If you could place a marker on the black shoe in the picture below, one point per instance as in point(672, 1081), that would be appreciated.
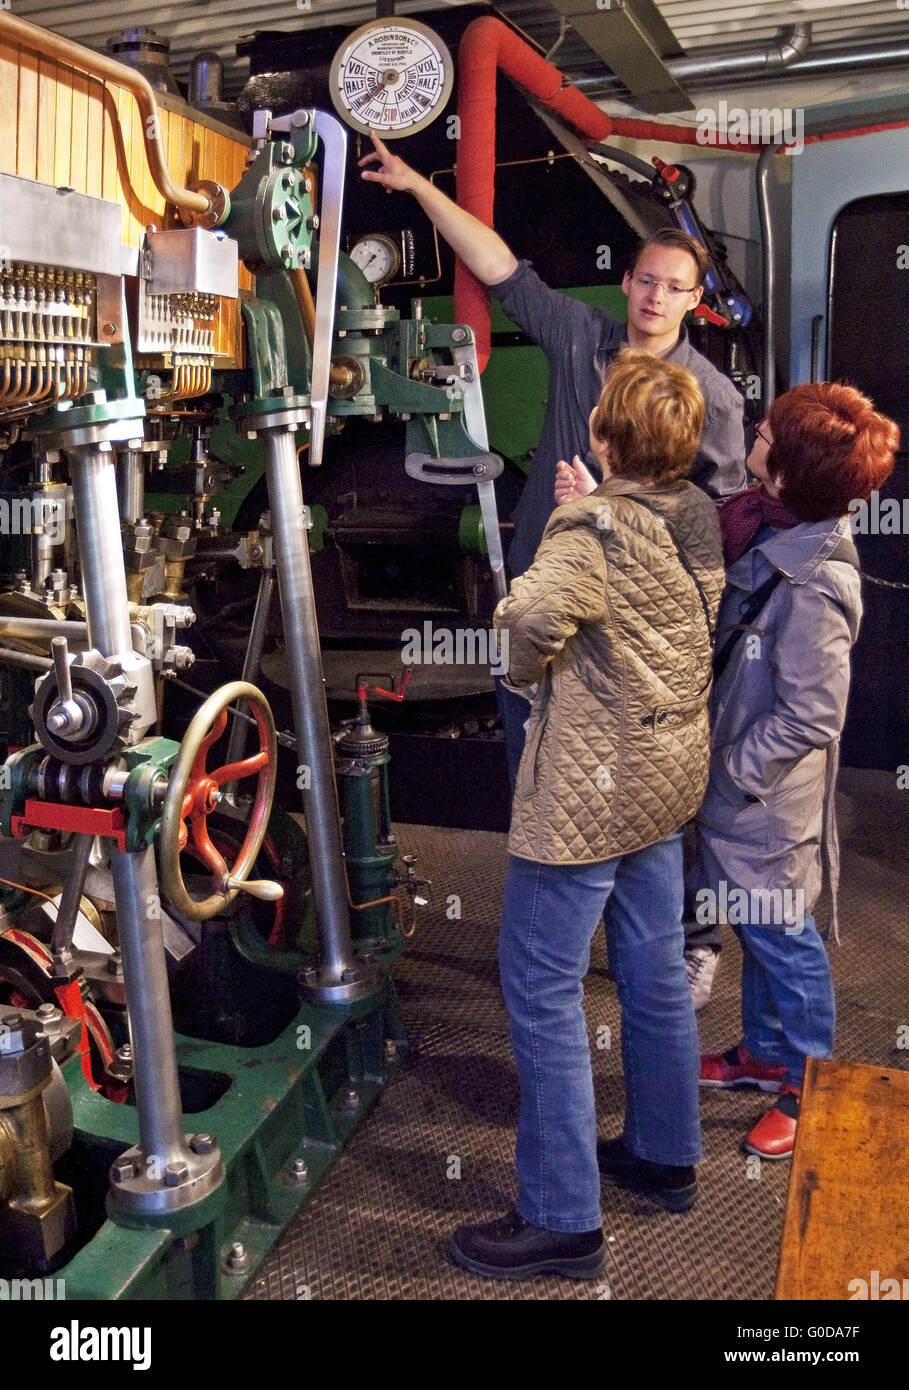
point(674, 1188)
point(511, 1248)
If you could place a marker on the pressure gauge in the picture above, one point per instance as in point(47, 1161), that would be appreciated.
point(378, 257)
point(393, 76)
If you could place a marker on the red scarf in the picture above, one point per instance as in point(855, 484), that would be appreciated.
point(743, 515)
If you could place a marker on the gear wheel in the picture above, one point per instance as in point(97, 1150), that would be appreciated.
point(105, 696)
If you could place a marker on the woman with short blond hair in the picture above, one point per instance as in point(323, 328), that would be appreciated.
point(612, 626)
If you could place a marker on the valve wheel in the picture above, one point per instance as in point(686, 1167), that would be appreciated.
point(193, 792)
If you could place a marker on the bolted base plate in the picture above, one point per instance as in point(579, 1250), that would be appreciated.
point(143, 1185)
point(357, 982)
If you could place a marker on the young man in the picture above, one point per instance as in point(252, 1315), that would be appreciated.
point(664, 282)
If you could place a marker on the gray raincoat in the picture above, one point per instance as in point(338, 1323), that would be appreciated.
point(776, 715)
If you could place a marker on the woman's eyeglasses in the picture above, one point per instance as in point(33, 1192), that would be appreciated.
point(761, 435)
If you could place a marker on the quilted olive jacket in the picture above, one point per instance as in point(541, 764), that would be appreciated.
point(612, 629)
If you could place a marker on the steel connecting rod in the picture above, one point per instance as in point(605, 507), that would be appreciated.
point(164, 1172)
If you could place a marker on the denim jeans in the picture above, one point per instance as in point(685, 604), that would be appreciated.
point(788, 1008)
point(550, 915)
point(514, 712)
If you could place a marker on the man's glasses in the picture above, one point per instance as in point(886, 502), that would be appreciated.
point(647, 282)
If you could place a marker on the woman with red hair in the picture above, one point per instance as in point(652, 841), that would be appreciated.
point(789, 617)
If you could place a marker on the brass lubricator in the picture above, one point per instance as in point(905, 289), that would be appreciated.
point(48, 333)
point(37, 1215)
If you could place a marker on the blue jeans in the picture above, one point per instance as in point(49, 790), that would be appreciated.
point(788, 1008)
point(549, 917)
point(514, 711)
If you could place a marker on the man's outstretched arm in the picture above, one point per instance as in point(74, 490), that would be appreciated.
point(480, 248)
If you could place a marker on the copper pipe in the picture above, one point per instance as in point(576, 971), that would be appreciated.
point(339, 376)
point(73, 55)
point(305, 302)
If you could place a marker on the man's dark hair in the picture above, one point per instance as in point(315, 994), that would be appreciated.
point(679, 241)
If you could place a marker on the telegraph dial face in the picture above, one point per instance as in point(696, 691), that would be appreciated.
point(392, 76)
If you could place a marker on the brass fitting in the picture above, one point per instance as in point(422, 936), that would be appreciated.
point(37, 1216)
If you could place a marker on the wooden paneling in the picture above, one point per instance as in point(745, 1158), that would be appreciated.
point(847, 1213)
point(66, 128)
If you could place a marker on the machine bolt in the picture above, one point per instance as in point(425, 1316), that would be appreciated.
point(122, 1170)
point(114, 964)
point(349, 977)
point(391, 1050)
point(286, 154)
point(125, 1053)
point(175, 1173)
point(109, 329)
point(12, 1038)
point(313, 222)
point(278, 215)
point(352, 1099)
point(238, 1259)
point(202, 1143)
point(300, 1170)
point(458, 335)
point(309, 977)
point(48, 1012)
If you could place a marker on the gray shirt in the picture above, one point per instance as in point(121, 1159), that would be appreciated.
point(580, 342)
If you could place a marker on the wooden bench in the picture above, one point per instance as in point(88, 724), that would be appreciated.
point(846, 1233)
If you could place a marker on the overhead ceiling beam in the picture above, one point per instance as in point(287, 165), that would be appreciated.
point(632, 37)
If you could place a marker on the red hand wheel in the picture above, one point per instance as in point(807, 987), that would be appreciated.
point(193, 792)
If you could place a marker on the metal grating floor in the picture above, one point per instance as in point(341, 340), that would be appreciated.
point(377, 1228)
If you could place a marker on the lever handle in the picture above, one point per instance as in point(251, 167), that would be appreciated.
point(60, 654)
point(262, 888)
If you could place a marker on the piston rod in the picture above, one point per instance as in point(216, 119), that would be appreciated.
point(301, 634)
point(148, 1006)
point(94, 483)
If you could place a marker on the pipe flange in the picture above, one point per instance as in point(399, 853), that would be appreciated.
point(358, 980)
point(272, 413)
point(218, 206)
point(103, 694)
point(365, 320)
point(146, 1186)
point(348, 377)
point(91, 421)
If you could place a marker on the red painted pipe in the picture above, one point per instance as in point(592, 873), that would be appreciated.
point(487, 47)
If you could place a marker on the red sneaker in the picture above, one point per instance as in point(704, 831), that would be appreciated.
point(774, 1134)
point(738, 1068)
